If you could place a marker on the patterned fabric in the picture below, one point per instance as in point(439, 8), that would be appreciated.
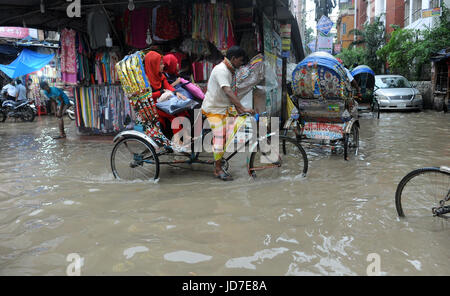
point(224, 129)
point(147, 117)
point(68, 56)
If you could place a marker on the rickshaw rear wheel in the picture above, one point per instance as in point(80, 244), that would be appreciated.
point(289, 161)
point(351, 141)
point(133, 158)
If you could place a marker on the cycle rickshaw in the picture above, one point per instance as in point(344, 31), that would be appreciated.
point(327, 112)
point(138, 153)
point(365, 77)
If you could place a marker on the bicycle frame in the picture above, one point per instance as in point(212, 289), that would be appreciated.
point(192, 156)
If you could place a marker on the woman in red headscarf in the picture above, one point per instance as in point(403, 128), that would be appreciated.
point(154, 67)
point(171, 69)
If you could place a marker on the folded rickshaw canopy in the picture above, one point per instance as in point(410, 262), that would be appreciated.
point(362, 69)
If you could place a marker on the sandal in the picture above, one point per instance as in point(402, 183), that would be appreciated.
point(59, 137)
point(224, 176)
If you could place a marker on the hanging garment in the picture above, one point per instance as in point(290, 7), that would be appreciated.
point(140, 22)
point(98, 28)
point(165, 25)
point(68, 57)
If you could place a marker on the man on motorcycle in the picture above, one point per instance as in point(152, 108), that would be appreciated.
point(21, 91)
point(63, 102)
point(9, 91)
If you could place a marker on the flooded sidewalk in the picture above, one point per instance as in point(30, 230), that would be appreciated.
point(59, 197)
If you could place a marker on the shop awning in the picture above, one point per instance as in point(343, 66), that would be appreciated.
point(27, 62)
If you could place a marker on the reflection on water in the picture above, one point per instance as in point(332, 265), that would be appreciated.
point(59, 198)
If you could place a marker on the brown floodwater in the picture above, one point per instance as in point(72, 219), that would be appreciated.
point(60, 197)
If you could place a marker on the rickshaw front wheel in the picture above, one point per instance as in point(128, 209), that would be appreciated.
point(351, 141)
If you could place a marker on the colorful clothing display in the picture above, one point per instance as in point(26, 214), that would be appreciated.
point(213, 23)
point(105, 68)
point(68, 57)
point(101, 108)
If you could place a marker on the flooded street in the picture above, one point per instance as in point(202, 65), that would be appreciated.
point(60, 197)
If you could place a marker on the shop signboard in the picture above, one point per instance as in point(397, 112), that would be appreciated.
point(286, 40)
point(431, 12)
point(18, 33)
point(324, 25)
point(325, 43)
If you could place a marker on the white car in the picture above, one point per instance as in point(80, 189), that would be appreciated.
point(394, 92)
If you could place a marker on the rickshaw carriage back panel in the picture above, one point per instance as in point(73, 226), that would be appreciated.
point(329, 111)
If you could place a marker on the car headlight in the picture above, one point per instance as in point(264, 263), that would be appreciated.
point(418, 97)
point(382, 98)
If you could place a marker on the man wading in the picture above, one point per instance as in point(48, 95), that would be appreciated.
point(218, 99)
point(63, 101)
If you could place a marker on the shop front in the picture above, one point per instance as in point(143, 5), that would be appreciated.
point(197, 32)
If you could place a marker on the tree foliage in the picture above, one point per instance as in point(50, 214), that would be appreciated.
point(373, 36)
point(409, 50)
point(352, 56)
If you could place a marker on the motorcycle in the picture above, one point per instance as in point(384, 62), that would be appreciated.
point(20, 109)
point(71, 110)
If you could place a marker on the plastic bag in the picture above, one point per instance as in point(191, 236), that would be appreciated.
point(250, 75)
point(174, 105)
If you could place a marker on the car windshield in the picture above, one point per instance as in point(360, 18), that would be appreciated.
point(392, 82)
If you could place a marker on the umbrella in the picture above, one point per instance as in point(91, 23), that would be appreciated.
point(27, 62)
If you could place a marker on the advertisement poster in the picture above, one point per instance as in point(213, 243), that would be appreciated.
point(325, 43)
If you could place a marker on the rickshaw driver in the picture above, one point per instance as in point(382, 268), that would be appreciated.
point(218, 98)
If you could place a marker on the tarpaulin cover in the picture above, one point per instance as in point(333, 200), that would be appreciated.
point(27, 62)
point(362, 69)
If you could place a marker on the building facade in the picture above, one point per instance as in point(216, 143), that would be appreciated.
point(345, 23)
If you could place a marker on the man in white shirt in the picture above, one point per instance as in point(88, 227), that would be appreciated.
point(21, 91)
point(9, 91)
point(218, 99)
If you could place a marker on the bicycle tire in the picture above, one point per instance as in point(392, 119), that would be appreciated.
point(27, 114)
point(347, 143)
point(133, 162)
point(376, 108)
point(3, 116)
point(287, 166)
point(71, 115)
point(415, 185)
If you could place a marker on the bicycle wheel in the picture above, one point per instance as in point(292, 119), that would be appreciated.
point(71, 112)
point(351, 141)
point(288, 159)
point(420, 191)
point(133, 159)
point(3, 115)
point(375, 106)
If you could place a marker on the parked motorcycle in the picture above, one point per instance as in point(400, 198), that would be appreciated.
point(71, 110)
point(21, 109)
